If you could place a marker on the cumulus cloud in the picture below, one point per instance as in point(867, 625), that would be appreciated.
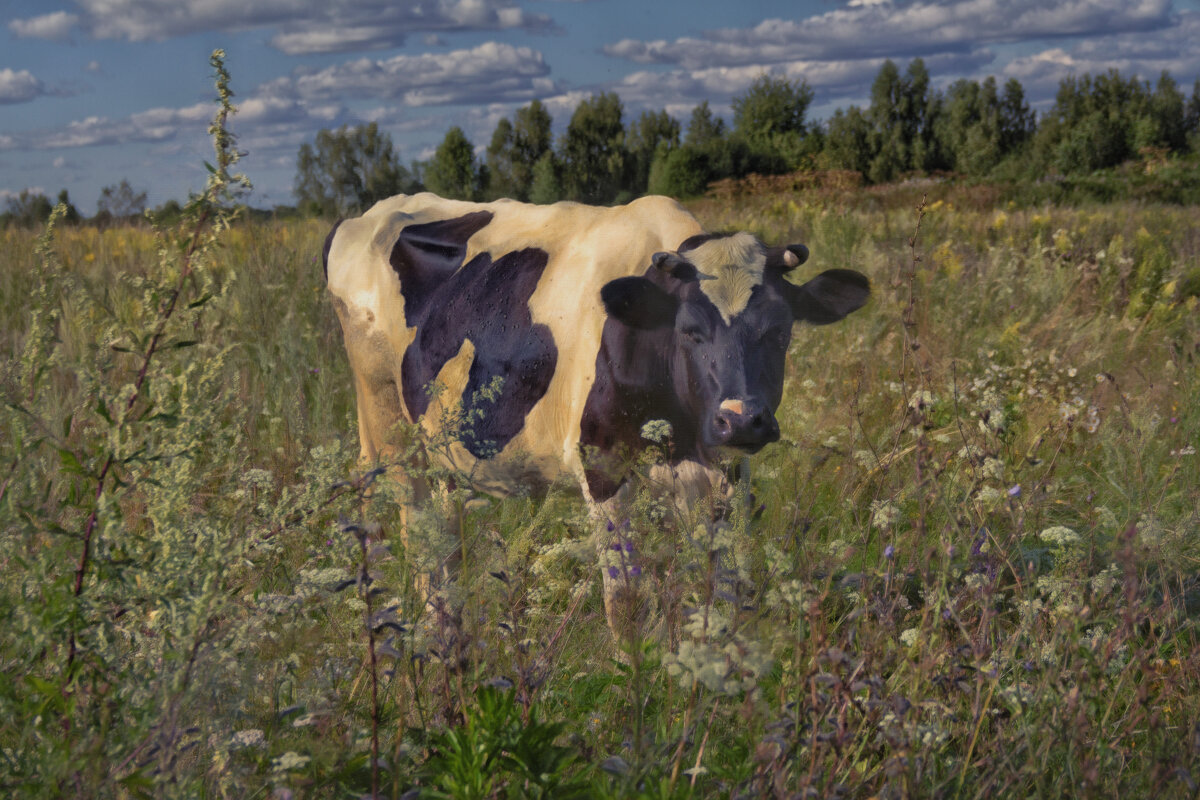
point(306, 26)
point(830, 80)
point(56, 26)
point(490, 72)
point(873, 28)
point(19, 86)
point(1146, 56)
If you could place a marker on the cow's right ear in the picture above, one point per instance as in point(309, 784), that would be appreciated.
point(639, 303)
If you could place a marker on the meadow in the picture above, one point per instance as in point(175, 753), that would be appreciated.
point(969, 569)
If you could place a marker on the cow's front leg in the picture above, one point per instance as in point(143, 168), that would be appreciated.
point(626, 605)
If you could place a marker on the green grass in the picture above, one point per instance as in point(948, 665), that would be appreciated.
point(971, 568)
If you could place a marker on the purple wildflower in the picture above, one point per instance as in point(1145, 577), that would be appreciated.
point(1015, 491)
point(889, 551)
point(635, 570)
point(613, 572)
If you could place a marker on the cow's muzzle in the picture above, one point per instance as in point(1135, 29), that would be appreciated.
point(745, 424)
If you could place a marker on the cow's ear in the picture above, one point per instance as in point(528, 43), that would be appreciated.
point(786, 257)
point(678, 267)
point(829, 297)
point(638, 303)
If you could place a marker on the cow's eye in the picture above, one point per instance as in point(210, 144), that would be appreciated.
point(776, 337)
point(695, 335)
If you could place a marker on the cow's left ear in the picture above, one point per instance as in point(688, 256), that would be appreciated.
point(829, 297)
point(638, 303)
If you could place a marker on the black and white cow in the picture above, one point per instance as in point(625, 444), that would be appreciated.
point(595, 320)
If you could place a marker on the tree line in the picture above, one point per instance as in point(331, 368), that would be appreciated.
point(975, 128)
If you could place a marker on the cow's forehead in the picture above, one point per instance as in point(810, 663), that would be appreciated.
point(735, 264)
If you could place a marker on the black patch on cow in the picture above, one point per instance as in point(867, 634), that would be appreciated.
point(486, 302)
point(427, 254)
point(325, 249)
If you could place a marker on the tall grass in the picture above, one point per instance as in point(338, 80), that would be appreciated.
point(969, 569)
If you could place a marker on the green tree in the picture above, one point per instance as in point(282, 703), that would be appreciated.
point(120, 201)
point(679, 172)
point(650, 132)
point(1166, 112)
point(593, 150)
point(903, 116)
point(969, 126)
point(848, 140)
point(27, 209)
point(348, 170)
point(1191, 116)
point(703, 128)
point(452, 172)
point(1095, 122)
point(515, 149)
point(770, 107)
point(71, 214)
point(500, 179)
point(889, 144)
point(770, 117)
point(547, 180)
point(1018, 122)
point(531, 141)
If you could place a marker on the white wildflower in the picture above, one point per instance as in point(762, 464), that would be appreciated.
point(657, 430)
point(289, 761)
point(251, 737)
point(1059, 536)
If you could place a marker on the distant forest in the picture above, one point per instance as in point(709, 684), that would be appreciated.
point(979, 130)
point(974, 129)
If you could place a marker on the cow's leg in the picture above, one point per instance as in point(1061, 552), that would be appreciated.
point(696, 493)
point(625, 605)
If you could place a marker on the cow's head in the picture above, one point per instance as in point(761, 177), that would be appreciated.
point(724, 311)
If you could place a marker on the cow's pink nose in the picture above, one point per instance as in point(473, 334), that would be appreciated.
point(744, 424)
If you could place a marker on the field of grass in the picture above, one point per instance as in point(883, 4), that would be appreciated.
point(969, 569)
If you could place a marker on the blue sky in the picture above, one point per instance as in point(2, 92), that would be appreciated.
point(93, 91)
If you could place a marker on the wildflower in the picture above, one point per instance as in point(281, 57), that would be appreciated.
point(251, 737)
point(288, 761)
point(613, 572)
point(889, 551)
point(1014, 491)
point(657, 430)
point(1059, 536)
point(910, 636)
point(884, 513)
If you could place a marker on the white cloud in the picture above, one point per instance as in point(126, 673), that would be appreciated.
point(830, 80)
point(93, 66)
point(19, 86)
point(306, 26)
point(491, 72)
point(872, 29)
point(56, 26)
point(1141, 54)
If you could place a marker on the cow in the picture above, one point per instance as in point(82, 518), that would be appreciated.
point(552, 334)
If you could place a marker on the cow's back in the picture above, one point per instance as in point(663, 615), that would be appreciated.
point(526, 305)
